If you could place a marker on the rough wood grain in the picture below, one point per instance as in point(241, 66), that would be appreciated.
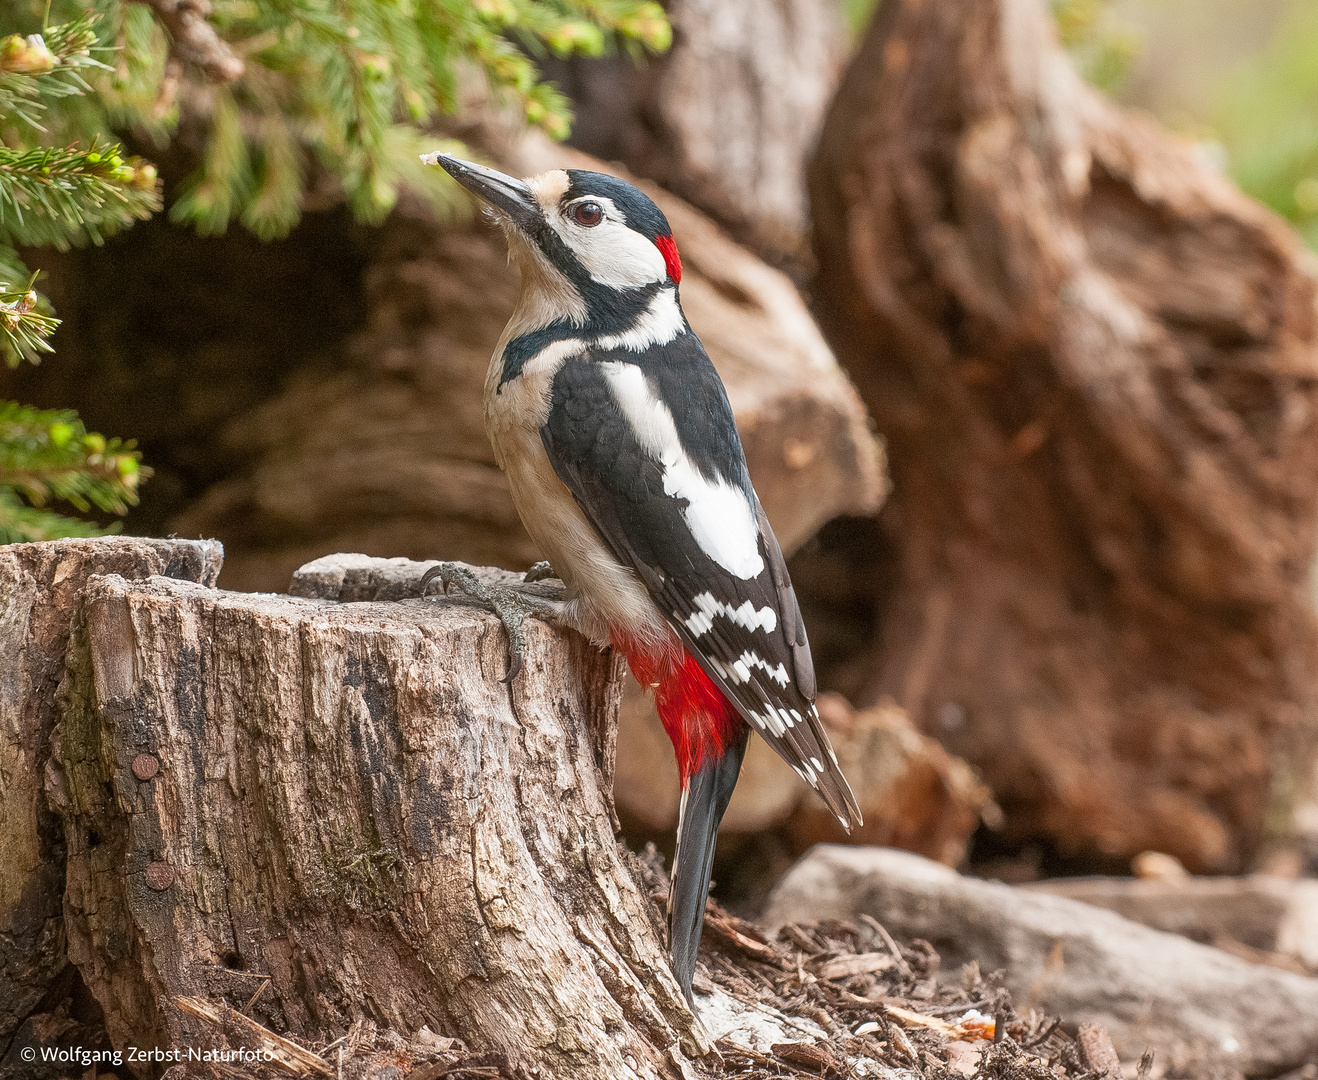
point(1273, 919)
point(1095, 363)
point(39, 589)
point(350, 802)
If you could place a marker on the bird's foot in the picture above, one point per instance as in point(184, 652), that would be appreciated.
point(510, 603)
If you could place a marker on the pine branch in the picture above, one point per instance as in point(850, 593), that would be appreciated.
point(142, 90)
point(24, 327)
point(335, 84)
point(53, 65)
point(308, 84)
point(48, 456)
point(194, 39)
point(210, 197)
point(51, 195)
point(20, 523)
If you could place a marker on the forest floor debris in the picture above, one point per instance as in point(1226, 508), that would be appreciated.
point(852, 1002)
point(1204, 1011)
point(826, 999)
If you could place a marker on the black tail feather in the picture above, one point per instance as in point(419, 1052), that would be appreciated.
point(703, 804)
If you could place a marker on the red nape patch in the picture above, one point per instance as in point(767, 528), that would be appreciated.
point(700, 721)
point(668, 246)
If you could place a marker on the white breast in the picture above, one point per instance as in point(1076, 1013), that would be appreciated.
point(604, 595)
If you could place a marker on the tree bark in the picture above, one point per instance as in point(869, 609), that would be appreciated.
point(344, 799)
point(39, 589)
point(1096, 366)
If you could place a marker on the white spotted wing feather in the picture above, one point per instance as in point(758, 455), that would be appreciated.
point(669, 495)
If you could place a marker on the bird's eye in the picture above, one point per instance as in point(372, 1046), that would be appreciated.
point(588, 214)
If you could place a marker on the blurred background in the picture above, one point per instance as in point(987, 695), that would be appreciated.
point(1015, 304)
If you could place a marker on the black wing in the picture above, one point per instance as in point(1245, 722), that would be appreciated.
point(746, 632)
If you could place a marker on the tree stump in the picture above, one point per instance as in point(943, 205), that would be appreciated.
point(39, 589)
point(342, 802)
point(1095, 363)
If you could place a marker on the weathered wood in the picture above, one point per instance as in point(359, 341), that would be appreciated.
point(39, 589)
point(727, 118)
point(1095, 363)
point(349, 801)
point(1203, 1013)
point(1269, 919)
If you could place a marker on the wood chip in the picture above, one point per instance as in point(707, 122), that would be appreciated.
point(882, 931)
point(962, 1057)
point(798, 937)
point(293, 1059)
point(971, 1026)
point(813, 1056)
point(844, 967)
point(914, 1019)
point(1100, 1054)
point(731, 932)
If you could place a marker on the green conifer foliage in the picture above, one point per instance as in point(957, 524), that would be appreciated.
point(281, 98)
point(53, 194)
point(47, 456)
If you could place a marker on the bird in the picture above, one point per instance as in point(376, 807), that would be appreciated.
point(618, 443)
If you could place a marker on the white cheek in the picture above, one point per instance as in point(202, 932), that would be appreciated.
point(614, 254)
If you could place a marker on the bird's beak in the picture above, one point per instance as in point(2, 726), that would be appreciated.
point(502, 192)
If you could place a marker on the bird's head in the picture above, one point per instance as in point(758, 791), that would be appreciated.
point(596, 231)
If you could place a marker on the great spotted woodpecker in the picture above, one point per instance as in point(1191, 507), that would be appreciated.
point(618, 442)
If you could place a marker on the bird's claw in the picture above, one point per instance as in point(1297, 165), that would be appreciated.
point(511, 606)
point(541, 571)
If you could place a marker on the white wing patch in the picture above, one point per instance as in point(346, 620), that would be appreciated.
point(658, 324)
point(718, 514)
point(776, 721)
point(739, 671)
point(777, 674)
point(709, 607)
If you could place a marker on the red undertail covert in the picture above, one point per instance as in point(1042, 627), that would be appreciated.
point(700, 721)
